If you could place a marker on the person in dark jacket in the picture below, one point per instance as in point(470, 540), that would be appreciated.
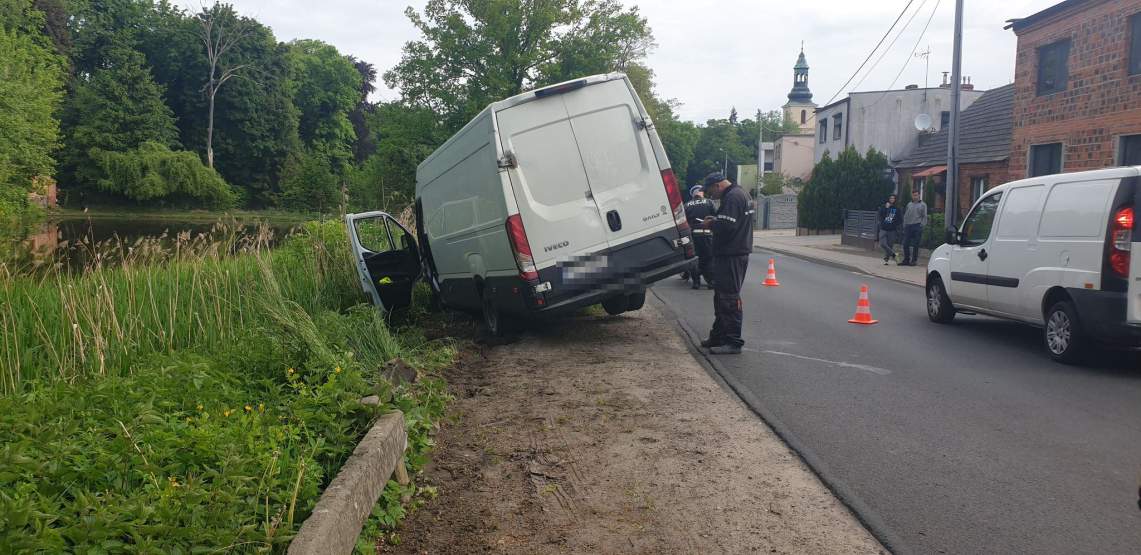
point(732, 243)
point(696, 210)
point(888, 218)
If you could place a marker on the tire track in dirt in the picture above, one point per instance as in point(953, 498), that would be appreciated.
point(600, 434)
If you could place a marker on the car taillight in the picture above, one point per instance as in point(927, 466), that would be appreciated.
point(522, 248)
point(1121, 241)
point(674, 194)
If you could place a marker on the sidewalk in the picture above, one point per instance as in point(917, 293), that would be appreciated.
point(827, 249)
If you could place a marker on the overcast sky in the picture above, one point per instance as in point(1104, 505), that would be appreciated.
point(713, 55)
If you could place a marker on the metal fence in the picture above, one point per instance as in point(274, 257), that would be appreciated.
point(859, 228)
point(776, 212)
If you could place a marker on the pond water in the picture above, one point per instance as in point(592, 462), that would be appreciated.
point(70, 242)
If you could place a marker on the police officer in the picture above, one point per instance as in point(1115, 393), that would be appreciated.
point(732, 243)
point(696, 210)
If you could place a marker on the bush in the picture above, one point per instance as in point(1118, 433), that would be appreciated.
point(852, 182)
point(153, 171)
point(935, 231)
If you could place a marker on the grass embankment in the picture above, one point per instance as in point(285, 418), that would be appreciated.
point(196, 404)
point(185, 215)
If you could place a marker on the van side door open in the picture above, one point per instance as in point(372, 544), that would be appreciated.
point(387, 258)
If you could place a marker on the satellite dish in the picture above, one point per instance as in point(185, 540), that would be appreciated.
point(922, 122)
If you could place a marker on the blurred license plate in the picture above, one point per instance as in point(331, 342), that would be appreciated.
point(581, 270)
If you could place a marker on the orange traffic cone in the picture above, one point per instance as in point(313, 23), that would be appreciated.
point(863, 309)
point(771, 278)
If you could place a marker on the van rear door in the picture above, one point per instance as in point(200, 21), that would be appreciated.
point(619, 158)
point(559, 213)
point(1133, 303)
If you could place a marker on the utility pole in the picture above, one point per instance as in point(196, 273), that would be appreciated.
point(951, 194)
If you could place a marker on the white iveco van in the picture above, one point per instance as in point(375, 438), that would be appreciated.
point(553, 199)
point(1049, 251)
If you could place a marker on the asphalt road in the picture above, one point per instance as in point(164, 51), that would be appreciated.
point(964, 438)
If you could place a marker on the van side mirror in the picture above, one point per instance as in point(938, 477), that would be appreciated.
point(952, 237)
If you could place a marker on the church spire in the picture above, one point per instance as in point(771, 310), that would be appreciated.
point(800, 92)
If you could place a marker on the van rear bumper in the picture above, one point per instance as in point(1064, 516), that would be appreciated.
point(630, 284)
point(1102, 314)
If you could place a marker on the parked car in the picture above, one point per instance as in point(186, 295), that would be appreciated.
point(549, 200)
point(1049, 251)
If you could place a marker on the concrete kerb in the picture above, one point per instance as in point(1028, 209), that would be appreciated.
point(341, 511)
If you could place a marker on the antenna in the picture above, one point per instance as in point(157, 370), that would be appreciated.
point(926, 55)
point(922, 122)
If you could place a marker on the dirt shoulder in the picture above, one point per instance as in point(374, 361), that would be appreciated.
point(605, 435)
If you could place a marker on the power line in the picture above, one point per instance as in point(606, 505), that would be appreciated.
point(910, 56)
point(891, 44)
point(873, 52)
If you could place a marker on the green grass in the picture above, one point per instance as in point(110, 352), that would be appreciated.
point(185, 215)
point(198, 404)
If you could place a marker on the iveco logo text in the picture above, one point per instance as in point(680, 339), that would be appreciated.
point(555, 246)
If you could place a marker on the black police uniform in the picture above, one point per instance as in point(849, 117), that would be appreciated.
point(696, 211)
point(732, 244)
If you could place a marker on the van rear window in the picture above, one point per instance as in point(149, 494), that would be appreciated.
point(1077, 209)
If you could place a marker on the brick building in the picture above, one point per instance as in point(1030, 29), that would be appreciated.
point(984, 153)
point(1077, 88)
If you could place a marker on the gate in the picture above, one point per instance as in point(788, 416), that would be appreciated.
point(776, 212)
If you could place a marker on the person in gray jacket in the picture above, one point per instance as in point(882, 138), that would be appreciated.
point(914, 220)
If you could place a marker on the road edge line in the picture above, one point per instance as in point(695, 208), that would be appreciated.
point(868, 518)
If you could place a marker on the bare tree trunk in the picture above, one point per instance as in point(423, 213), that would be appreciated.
point(210, 134)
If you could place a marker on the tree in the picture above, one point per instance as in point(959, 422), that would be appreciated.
point(474, 52)
point(255, 120)
point(733, 115)
point(326, 89)
point(31, 86)
point(852, 182)
point(116, 108)
point(219, 39)
point(308, 183)
point(365, 144)
point(154, 172)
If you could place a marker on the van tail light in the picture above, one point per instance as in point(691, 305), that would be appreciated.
point(676, 205)
point(521, 248)
point(1121, 241)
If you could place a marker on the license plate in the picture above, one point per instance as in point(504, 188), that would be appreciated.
point(582, 269)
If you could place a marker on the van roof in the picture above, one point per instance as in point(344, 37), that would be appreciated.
point(516, 100)
point(1108, 173)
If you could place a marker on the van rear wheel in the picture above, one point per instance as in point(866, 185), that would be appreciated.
point(1062, 333)
point(492, 319)
point(615, 305)
point(635, 301)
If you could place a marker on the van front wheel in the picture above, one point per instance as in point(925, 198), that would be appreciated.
point(1062, 333)
point(939, 307)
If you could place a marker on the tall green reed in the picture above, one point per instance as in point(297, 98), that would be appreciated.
point(161, 295)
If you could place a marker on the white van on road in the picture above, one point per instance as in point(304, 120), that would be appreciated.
point(553, 199)
point(1050, 251)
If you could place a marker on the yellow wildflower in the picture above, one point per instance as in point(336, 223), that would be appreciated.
point(261, 407)
point(337, 370)
point(226, 412)
point(249, 408)
point(289, 371)
point(199, 407)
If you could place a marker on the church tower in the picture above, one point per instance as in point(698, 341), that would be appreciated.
point(800, 108)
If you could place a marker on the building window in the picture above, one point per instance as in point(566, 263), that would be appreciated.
point(978, 187)
point(1130, 153)
point(1045, 159)
point(1053, 69)
point(823, 130)
point(1135, 45)
point(838, 131)
point(803, 117)
point(944, 119)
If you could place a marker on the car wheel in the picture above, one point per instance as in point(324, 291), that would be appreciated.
point(615, 305)
point(939, 307)
point(635, 301)
point(1062, 333)
point(492, 319)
